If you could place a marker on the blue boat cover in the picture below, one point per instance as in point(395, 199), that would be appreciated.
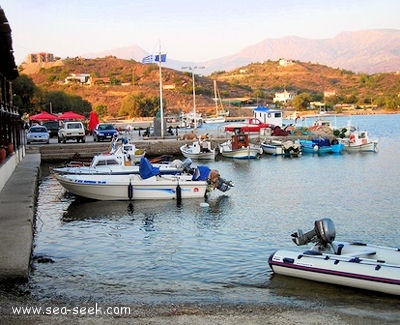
point(146, 169)
point(321, 142)
point(201, 173)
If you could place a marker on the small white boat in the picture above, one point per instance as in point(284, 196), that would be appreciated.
point(200, 150)
point(148, 185)
point(215, 119)
point(239, 147)
point(357, 265)
point(120, 161)
point(359, 141)
point(281, 148)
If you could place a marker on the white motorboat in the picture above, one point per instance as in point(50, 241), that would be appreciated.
point(120, 161)
point(357, 265)
point(239, 147)
point(359, 141)
point(281, 148)
point(200, 149)
point(148, 185)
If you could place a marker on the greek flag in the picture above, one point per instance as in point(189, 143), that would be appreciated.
point(147, 59)
point(163, 58)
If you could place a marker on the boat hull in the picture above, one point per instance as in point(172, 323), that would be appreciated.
point(368, 147)
point(352, 270)
point(242, 153)
point(132, 187)
point(274, 150)
point(308, 146)
point(188, 152)
point(113, 170)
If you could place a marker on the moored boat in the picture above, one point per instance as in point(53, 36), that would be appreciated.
point(321, 146)
point(149, 184)
point(281, 148)
point(359, 141)
point(357, 265)
point(200, 149)
point(239, 147)
point(120, 160)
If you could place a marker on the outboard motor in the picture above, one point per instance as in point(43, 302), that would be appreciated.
point(186, 165)
point(218, 182)
point(323, 234)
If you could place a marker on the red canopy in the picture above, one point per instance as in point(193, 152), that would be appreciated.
point(93, 120)
point(71, 116)
point(43, 116)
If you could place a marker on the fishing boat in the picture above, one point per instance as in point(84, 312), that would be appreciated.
point(286, 148)
point(149, 184)
point(359, 141)
point(239, 147)
point(200, 149)
point(321, 146)
point(357, 265)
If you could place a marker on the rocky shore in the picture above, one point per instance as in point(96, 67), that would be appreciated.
point(181, 314)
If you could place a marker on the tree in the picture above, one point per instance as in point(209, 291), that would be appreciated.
point(101, 110)
point(140, 105)
point(302, 101)
point(24, 89)
point(62, 102)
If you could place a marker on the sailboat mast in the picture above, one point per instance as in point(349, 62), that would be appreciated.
point(215, 97)
point(161, 95)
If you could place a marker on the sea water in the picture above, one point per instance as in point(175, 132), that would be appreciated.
point(158, 252)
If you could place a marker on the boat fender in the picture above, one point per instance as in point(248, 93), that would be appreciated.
point(339, 250)
point(316, 148)
point(130, 191)
point(178, 193)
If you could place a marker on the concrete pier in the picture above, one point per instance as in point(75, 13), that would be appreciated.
point(17, 213)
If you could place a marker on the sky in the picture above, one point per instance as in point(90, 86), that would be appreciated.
point(191, 31)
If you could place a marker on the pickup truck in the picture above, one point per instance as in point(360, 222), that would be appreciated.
point(251, 125)
point(71, 131)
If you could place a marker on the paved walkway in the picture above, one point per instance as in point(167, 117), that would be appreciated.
point(17, 210)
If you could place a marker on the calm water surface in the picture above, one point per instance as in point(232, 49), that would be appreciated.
point(158, 252)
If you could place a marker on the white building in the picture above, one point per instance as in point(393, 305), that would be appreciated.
point(283, 97)
point(267, 115)
point(77, 78)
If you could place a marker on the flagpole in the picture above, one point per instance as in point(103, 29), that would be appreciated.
point(161, 96)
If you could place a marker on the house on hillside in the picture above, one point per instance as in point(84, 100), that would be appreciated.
point(283, 97)
point(285, 63)
point(77, 78)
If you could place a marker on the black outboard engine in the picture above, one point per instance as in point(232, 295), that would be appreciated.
point(323, 234)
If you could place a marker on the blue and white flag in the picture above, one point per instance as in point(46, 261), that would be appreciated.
point(163, 58)
point(147, 59)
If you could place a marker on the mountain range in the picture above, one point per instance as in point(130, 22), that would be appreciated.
point(366, 51)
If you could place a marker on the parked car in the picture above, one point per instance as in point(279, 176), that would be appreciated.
point(104, 131)
point(71, 131)
point(37, 134)
point(52, 127)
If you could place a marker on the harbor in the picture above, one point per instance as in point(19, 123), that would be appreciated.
point(233, 238)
